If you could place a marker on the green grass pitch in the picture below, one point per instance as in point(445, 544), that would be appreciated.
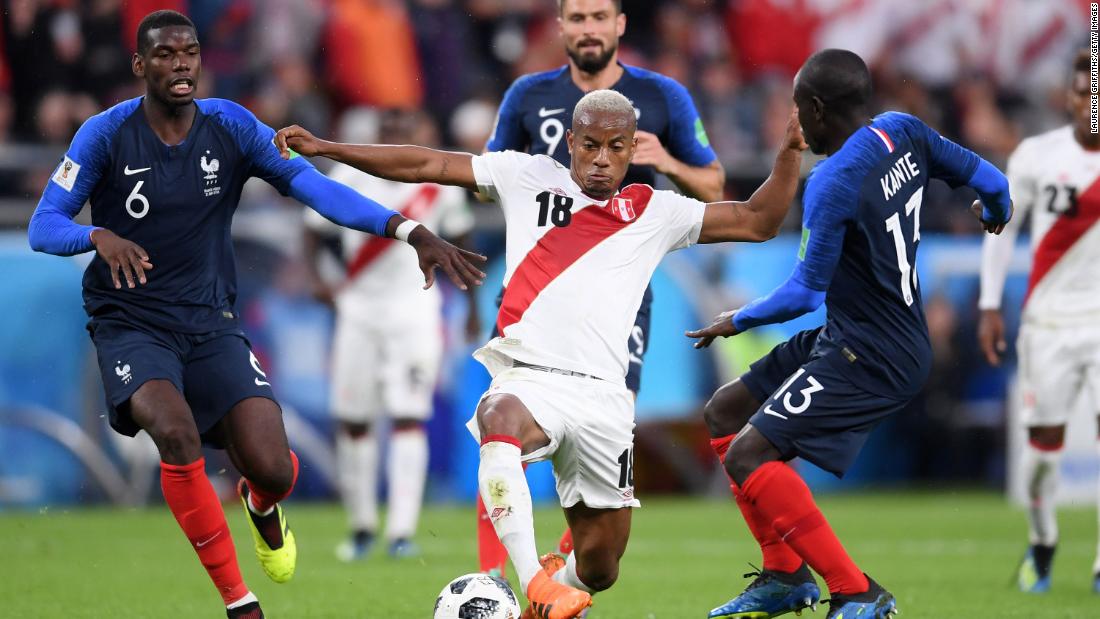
point(945, 555)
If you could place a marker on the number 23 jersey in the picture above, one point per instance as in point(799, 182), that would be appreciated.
point(576, 266)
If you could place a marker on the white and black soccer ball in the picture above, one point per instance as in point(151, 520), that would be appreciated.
point(476, 596)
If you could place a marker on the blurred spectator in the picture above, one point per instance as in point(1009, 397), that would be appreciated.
point(370, 54)
point(472, 124)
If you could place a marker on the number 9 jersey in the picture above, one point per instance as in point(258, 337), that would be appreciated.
point(176, 202)
point(576, 267)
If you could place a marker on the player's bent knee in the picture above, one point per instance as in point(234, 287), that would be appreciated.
point(177, 441)
point(273, 473)
point(729, 409)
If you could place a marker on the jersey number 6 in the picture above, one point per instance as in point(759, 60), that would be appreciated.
point(137, 197)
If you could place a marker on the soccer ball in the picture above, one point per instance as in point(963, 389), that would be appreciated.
point(476, 596)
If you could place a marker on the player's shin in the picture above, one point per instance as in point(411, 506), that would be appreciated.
point(357, 461)
point(777, 555)
point(503, 488)
point(781, 496)
point(193, 502)
point(408, 467)
point(1041, 474)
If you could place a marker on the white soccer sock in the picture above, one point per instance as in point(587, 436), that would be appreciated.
point(568, 575)
point(357, 461)
point(247, 598)
point(1041, 473)
point(507, 498)
point(408, 467)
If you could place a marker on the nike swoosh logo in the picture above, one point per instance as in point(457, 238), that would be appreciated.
point(128, 172)
point(260, 383)
point(543, 112)
point(212, 538)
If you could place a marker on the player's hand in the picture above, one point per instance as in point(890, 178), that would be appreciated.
point(992, 228)
point(457, 263)
point(721, 326)
point(991, 336)
point(793, 139)
point(650, 152)
point(297, 139)
point(121, 255)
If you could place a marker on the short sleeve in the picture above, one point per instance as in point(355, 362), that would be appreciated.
point(257, 143)
point(496, 173)
point(687, 139)
point(682, 218)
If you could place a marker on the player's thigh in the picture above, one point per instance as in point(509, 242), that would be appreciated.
point(255, 438)
point(1051, 373)
point(130, 357)
point(220, 372)
point(411, 369)
point(354, 395)
point(594, 461)
point(821, 416)
point(768, 373)
point(520, 404)
point(730, 408)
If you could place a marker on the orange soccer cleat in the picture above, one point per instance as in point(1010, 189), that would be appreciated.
point(548, 599)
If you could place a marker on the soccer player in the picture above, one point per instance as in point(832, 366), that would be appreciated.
point(164, 173)
point(818, 395)
point(671, 141)
point(387, 345)
point(579, 254)
point(1056, 177)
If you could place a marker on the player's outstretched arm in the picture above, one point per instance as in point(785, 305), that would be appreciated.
point(406, 164)
point(758, 219)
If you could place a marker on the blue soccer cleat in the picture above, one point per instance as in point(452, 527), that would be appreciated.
point(874, 603)
point(355, 548)
point(772, 594)
point(1033, 575)
point(1096, 583)
point(403, 548)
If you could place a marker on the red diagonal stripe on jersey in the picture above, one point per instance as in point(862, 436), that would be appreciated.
point(1065, 231)
point(418, 204)
point(559, 248)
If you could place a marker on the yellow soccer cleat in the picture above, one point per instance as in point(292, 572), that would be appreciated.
point(274, 541)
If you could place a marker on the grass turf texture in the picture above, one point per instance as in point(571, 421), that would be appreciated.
point(942, 554)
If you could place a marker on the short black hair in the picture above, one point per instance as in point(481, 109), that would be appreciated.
point(159, 19)
point(618, 6)
point(1082, 62)
point(837, 76)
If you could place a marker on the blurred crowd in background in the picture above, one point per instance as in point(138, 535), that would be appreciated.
point(985, 73)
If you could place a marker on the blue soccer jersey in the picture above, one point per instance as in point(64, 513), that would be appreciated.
point(176, 202)
point(538, 108)
point(861, 229)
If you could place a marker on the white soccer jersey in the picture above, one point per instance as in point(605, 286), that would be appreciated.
point(1055, 179)
point(379, 270)
point(576, 267)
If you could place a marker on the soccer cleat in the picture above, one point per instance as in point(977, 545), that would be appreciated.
point(277, 556)
point(1096, 583)
point(355, 548)
point(1033, 574)
point(548, 599)
point(250, 610)
point(772, 594)
point(874, 603)
point(403, 548)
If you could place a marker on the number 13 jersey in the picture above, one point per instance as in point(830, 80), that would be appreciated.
point(576, 266)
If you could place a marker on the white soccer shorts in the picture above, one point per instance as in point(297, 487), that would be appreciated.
point(383, 369)
point(590, 423)
point(1059, 369)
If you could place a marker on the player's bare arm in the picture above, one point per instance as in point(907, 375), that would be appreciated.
point(405, 164)
point(700, 182)
point(758, 219)
point(121, 255)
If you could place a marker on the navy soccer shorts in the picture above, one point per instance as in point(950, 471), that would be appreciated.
point(214, 371)
point(810, 409)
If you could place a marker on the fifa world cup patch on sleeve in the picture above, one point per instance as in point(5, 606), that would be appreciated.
point(66, 174)
point(701, 133)
point(293, 155)
point(804, 243)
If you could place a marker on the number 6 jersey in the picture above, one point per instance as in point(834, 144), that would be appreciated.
point(1055, 179)
point(576, 267)
point(176, 202)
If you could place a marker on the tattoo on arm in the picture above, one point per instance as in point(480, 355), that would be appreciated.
point(446, 164)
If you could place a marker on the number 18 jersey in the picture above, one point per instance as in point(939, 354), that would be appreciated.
point(576, 266)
